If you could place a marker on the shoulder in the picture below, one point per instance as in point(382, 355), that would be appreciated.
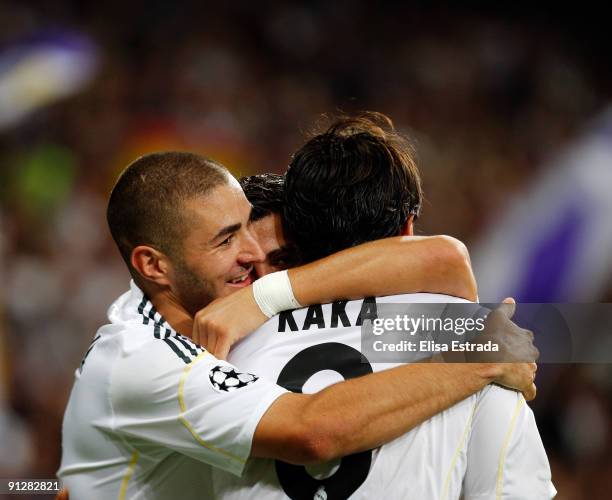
point(149, 363)
point(157, 347)
point(499, 404)
point(149, 343)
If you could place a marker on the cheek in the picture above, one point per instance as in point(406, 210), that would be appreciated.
point(210, 269)
point(223, 265)
point(271, 244)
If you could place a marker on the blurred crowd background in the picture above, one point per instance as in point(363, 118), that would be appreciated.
point(508, 111)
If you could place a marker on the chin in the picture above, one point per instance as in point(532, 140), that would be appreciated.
point(228, 290)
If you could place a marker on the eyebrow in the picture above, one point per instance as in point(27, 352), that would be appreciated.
point(226, 230)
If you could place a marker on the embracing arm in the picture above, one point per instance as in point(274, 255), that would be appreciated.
point(435, 264)
point(365, 412)
point(403, 264)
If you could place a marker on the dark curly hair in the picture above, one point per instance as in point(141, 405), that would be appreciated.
point(353, 183)
point(266, 192)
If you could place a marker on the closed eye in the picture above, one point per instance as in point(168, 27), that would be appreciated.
point(227, 241)
point(282, 257)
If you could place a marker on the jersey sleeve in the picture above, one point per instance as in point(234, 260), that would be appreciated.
point(206, 408)
point(505, 456)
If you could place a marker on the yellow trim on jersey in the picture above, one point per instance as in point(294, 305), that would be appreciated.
point(128, 475)
point(502, 455)
point(460, 445)
point(186, 423)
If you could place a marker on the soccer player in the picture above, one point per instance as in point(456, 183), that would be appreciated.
point(150, 408)
point(349, 185)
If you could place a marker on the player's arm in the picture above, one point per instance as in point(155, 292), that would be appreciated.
point(434, 264)
point(394, 265)
point(212, 412)
point(365, 412)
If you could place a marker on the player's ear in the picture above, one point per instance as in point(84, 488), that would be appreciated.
point(151, 264)
point(408, 229)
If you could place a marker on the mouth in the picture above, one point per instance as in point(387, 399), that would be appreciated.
point(244, 279)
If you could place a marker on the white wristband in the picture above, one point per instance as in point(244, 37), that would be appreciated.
point(273, 293)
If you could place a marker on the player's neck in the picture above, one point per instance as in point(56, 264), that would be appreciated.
point(173, 312)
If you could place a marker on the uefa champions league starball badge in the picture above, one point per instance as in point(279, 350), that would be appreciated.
point(226, 379)
point(321, 494)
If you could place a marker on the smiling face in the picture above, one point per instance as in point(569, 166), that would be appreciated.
point(218, 251)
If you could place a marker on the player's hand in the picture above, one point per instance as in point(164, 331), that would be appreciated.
point(517, 353)
point(515, 343)
point(226, 320)
point(518, 376)
point(62, 495)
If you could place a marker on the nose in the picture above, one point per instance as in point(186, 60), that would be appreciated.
point(251, 252)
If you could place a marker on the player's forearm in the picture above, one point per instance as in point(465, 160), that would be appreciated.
point(363, 413)
point(436, 264)
point(413, 394)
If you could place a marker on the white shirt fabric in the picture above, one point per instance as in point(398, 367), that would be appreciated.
point(150, 412)
point(485, 447)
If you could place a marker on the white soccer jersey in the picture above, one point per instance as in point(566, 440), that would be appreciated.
point(485, 447)
point(150, 412)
